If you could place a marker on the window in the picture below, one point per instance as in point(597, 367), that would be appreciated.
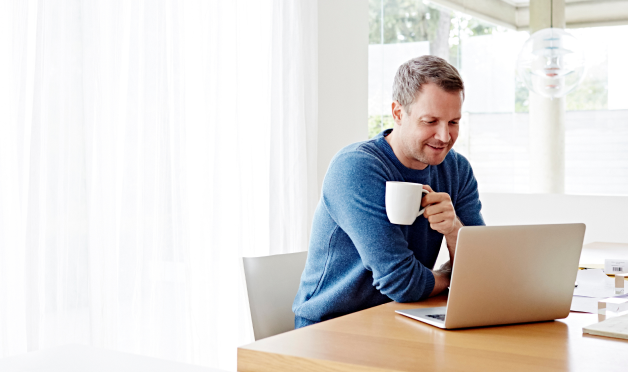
point(494, 133)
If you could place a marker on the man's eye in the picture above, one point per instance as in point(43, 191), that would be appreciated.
point(453, 122)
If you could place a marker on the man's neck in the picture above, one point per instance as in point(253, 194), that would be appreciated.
point(396, 146)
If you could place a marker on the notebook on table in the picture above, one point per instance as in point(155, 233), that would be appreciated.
point(614, 327)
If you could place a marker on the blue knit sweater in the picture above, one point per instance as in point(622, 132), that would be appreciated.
point(357, 258)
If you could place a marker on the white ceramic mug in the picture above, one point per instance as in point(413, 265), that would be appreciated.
point(403, 202)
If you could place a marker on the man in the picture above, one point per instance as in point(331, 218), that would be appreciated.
point(357, 258)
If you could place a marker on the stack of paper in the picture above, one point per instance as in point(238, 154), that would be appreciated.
point(593, 285)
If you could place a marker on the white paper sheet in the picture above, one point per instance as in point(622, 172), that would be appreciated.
point(594, 283)
point(584, 304)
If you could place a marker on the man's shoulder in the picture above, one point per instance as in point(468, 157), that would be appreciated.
point(361, 164)
point(360, 152)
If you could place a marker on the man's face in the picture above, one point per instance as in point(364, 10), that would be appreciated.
point(429, 131)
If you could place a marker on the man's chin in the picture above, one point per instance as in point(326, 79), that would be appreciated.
point(436, 162)
point(433, 160)
point(429, 155)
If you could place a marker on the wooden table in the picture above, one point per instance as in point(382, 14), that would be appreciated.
point(378, 339)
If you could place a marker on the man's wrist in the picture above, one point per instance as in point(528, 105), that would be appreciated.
point(453, 235)
point(452, 238)
point(445, 268)
point(441, 281)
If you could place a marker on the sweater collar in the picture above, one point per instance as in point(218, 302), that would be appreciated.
point(408, 173)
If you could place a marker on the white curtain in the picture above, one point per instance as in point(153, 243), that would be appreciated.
point(144, 147)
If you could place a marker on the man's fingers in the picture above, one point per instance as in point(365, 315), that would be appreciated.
point(434, 197)
point(441, 227)
point(437, 208)
point(436, 218)
point(440, 217)
point(439, 211)
point(428, 188)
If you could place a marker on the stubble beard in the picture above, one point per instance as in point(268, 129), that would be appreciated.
point(420, 155)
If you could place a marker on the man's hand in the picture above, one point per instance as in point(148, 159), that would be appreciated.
point(441, 215)
point(440, 211)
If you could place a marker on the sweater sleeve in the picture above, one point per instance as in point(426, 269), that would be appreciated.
point(354, 194)
point(468, 206)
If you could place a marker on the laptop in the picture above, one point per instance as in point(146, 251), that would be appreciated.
point(507, 275)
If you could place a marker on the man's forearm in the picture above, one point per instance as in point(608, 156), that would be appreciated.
point(451, 240)
point(441, 281)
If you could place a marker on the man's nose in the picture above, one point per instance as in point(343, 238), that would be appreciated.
point(442, 132)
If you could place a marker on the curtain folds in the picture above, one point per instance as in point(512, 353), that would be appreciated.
point(144, 147)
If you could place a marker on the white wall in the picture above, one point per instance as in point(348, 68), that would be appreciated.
point(617, 76)
point(342, 77)
point(596, 152)
point(605, 216)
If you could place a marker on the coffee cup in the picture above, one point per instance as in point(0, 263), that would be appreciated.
point(403, 202)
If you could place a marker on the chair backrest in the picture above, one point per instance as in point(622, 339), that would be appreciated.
point(272, 283)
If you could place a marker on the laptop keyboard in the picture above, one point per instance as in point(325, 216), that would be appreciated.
point(437, 316)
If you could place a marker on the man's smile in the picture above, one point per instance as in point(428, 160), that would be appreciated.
point(437, 147)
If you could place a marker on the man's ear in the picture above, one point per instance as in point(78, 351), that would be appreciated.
point(397, 112)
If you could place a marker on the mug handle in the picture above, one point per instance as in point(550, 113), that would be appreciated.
point(422, 210)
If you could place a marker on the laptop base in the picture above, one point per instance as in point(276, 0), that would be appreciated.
point(431, 315)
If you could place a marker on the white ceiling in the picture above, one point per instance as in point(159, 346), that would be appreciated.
point(516, 15)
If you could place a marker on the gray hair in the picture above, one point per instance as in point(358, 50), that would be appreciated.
point(422, 70)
